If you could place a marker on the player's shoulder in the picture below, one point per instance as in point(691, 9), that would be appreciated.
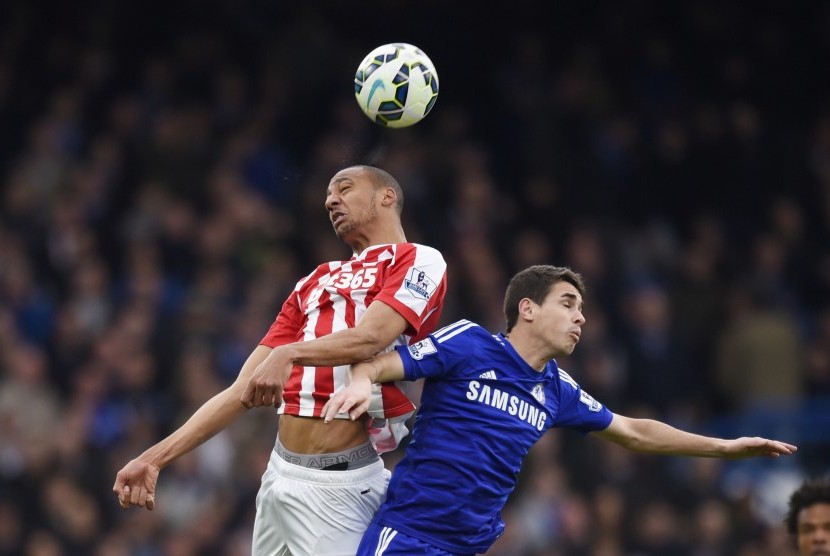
point(565, 378)
point(423, 250)
point(462, 330)
point(422, 246)
point(458, 341)
point(325, 268)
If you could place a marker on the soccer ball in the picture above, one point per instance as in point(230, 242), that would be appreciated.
point(396, 85)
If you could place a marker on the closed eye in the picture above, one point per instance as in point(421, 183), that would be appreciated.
point(570, 300)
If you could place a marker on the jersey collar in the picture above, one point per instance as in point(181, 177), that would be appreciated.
point(546, 375)
point(362, 254)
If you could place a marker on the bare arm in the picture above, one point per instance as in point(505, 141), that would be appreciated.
point(376, 331)
point(135, 483)
point(655, 437)
point(355, 398)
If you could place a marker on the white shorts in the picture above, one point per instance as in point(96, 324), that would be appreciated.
point(308, 512)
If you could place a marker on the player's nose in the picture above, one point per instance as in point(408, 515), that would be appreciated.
point(332, 201)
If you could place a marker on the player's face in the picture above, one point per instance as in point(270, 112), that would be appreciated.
point(560, 318)
point(813, 533)
point(351, 201)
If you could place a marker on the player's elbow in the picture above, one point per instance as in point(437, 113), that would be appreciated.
point(628, 433)
point(369, 343)
point(646, 436)
point(368, 347)
point(634, 443)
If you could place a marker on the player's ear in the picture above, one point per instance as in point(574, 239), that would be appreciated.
point(526, 309)
point(389, 197)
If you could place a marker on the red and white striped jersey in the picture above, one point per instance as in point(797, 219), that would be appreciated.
point(409, 277)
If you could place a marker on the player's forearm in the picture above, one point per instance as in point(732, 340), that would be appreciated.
point(655, 437)
point(340, 348)
point(355, 398)
point(378, 328)
point(383, 368)
point(216, 414)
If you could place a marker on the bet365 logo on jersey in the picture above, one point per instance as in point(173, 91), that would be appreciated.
point(362, 279)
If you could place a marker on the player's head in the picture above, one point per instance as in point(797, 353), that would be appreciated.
point(808, 517)
point(548, 301)
point(535, 283)
point(360, 198)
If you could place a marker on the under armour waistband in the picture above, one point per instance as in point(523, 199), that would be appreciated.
point(353, 458)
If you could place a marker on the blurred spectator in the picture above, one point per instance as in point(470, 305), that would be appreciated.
point(30, 411)
point(808, 516)
point(660, 372)
point(11, 529)
point(759, 353)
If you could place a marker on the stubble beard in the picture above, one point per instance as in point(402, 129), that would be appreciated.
point(353, 224)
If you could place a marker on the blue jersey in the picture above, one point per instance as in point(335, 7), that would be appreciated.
point(482, 408)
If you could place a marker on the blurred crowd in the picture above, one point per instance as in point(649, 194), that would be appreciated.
point(162, 177)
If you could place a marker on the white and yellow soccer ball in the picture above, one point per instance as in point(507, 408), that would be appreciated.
point(396, 85)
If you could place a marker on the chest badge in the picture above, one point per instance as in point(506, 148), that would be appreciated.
point(538, 392)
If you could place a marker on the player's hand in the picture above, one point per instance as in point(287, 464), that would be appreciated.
point(748, 447)
point(353, 399)
point(135, 484)
point(266, 385)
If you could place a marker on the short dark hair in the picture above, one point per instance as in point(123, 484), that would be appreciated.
point(535, 283)
point(382, 178)
point(812, 491)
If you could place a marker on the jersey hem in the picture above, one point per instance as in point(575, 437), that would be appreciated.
point(455, 549)
point(273, 345)
point(400, 410)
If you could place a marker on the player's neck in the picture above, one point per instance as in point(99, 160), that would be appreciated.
point(534, 353)
point(381, 235)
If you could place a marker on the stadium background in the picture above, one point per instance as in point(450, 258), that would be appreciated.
point(162, 176)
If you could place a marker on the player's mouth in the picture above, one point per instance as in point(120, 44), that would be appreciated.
point(337, 218)
point(575, 335)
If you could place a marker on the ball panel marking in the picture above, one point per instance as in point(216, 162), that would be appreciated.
point(396, 85)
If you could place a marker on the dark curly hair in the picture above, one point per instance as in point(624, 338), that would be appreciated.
point(814, 491)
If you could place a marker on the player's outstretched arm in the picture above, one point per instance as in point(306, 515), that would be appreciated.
point(354, 399)
point(655, 437)
point(377, 329)
point(135, 483)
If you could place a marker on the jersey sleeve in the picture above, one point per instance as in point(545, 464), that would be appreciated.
point(578, 410)
point(287, 326)
point(415, 286)
point(438, 354)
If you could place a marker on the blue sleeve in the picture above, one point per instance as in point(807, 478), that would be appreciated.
point(437, 354)
point(578, 410)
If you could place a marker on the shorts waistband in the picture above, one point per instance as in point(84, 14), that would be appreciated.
point(346, 460)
